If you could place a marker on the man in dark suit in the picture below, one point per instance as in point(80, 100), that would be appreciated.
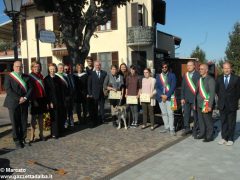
point(205, 96)
point(228, 91)
point(19, 89)
point(95, 90)
point(188, 91)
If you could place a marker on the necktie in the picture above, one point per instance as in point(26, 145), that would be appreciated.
point(226, 81)
point(98, 74)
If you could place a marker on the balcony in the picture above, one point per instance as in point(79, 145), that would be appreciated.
point(140, 36)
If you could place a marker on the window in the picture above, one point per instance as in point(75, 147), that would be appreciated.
point(110, 25)
point(24, 29)
point(107, 59)
point(40, 21)
point(139, 14)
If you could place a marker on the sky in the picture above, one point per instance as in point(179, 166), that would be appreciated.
point(206, 23)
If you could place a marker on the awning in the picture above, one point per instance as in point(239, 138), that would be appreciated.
point(6, 31)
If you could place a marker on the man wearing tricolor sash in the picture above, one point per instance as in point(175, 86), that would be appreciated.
point(19, 89)
point(205, 96)
point(188, 91)
point(165, 85)
point(65, 88)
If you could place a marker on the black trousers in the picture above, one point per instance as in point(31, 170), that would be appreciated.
point(97, 110)
point(54, 122)
point(188, 107)
point(205, 124)
point(19, 119)
point(81, 107)
point(228, 122)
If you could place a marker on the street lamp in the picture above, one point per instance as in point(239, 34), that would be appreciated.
point(13, 8)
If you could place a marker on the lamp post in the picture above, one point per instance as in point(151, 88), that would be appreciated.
point(13, 8)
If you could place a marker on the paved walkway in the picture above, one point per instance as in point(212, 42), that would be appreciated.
point(4, 116)
point(89, 153)
point(191, 160)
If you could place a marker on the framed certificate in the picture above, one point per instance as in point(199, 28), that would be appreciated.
point(145, 98)
point(132, 100)
point(115, 95)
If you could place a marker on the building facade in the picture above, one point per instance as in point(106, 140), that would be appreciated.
point(130, 37)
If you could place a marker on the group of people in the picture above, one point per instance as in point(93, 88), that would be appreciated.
point(87, 89)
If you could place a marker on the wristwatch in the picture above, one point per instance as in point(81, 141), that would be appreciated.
point(24, 98)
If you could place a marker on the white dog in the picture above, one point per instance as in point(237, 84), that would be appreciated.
point(121, 113)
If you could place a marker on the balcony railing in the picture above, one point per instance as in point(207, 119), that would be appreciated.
point(140, 36)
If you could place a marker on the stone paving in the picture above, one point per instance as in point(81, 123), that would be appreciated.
point(191, 160)
point(4, 117)
point(89, 153)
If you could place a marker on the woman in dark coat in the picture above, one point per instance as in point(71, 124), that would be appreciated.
point(38, 100)
point(81, 86)
point(55, 99)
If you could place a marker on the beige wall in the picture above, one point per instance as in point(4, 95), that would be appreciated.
point(29, 46)
point(106, 41)
point(113, 40)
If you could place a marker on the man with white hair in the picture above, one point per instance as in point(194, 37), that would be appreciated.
point(19, 90)
point(205, 96)
point(95, 90)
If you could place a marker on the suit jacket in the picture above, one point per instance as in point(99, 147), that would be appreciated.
point(171, 78)
point(14, 91)
point(186, 93)
point(209, 84)
point(81, 87)
point(95, 84)
point(229, 97)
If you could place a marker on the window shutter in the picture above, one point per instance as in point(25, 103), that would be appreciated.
point(114, 23)
point(41, 22)
point(56, 22)
point(94, 56)
point(115, 58)
point(24, 29)
point(25, 66)
point(134, 13)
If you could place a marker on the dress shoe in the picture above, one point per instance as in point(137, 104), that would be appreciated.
point(229, 143)
point(207, 140)
point(222, 141)
point(199, 137)
point(19, 145)
point(186, 132)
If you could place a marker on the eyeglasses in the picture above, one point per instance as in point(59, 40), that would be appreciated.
point(164, 67)
point(146, 72)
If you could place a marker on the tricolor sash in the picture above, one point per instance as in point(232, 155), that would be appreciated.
point(190, 83)
point(62, 78)
point(19, 80)
point(204, 95)
point(167, 88)
point(38, 80)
